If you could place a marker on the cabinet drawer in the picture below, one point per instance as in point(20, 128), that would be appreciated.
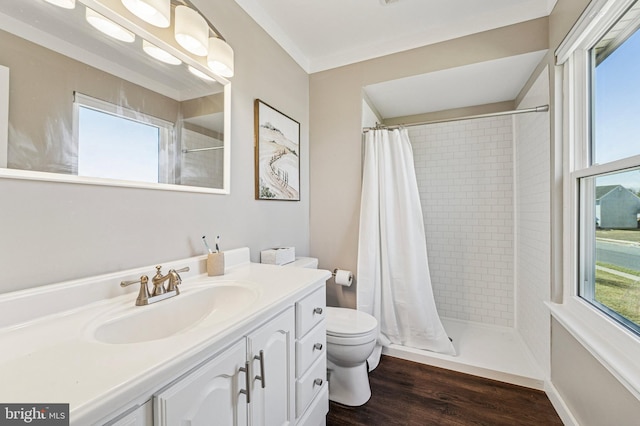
point(316, 414)
point(309, 385)
point(310, 311)
point(310, 347)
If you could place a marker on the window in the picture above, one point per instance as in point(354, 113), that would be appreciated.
point(118, 143)
point(607, 173)
point(598, 80)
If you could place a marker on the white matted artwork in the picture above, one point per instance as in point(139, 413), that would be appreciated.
point(277, 154)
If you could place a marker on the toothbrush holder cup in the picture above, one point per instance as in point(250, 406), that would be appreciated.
point(215, 264)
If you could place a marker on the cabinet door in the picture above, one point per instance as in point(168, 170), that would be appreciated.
point(272, 395)
point(142, 416)
point(208, 396)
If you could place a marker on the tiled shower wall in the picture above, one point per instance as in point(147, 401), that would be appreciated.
point(533, 223)
point(465, 177)
point(202, 168)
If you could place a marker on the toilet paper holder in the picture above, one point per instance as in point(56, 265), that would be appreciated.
point(343, 277)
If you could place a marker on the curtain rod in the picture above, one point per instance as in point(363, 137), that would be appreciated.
point(541, 108)
point(186, 151)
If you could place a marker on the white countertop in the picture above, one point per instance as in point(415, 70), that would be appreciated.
point(55, 359)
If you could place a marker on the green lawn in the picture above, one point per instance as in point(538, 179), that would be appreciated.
point(632, 235)
point(619, 293)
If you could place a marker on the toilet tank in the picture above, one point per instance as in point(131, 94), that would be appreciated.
point(304, 262)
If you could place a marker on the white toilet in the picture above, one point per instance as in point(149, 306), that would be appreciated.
point(351, 338)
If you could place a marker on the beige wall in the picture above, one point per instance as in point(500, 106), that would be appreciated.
point(591, 393)
point(58, 231)
point(335, 134)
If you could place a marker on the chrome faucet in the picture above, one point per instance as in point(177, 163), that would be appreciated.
point(159, 291)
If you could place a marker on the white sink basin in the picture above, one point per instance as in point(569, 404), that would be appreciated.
point(175, 315)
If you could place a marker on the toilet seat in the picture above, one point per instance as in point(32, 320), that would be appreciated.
point(350, 327)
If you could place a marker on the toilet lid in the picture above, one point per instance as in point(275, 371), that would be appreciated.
point(349, 322)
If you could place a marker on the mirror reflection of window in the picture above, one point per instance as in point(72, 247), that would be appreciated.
point(117, 143)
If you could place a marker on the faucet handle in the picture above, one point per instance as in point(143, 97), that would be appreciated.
point(128, 283)
point(175, 280)
point(143, 294)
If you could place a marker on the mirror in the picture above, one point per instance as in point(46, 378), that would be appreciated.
point(86, 108)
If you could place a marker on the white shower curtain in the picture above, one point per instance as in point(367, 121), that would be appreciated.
point(394, 284)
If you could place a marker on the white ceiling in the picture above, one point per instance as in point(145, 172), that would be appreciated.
point(325, 34)
point(477, 84)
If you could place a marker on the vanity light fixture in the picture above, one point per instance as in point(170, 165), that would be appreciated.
point(220, 58)
point(155, 12)
point(160, 54)
point(191, 30)
point(108, 27)
point(67, 4)
point(199, 73)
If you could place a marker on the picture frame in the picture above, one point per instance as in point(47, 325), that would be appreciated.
point(277, 154)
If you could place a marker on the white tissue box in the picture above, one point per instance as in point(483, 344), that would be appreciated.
point(278, 256)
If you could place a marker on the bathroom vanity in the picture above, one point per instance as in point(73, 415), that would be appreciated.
point(247, 347)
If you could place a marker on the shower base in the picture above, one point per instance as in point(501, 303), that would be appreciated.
point(492, 352)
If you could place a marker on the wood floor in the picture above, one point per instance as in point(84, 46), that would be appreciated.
point(408, 393)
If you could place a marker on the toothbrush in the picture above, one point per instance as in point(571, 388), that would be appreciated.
point(218, 244)
point(204, 240)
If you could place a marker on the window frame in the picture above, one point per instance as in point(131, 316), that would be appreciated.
point(166, 131)
point(615, 346)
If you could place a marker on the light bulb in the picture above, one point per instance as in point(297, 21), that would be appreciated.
point(220, 58)
point(159, 54)
point(191, 31)
point(67, 4)
point(108, 27)
point(155, 12)
point(199, 73)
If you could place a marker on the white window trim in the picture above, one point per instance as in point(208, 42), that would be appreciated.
point(612, 344)
point(166, 155)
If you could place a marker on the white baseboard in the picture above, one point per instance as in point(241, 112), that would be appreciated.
point(558, 403)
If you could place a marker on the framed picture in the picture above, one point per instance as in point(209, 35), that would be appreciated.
point(277, 149)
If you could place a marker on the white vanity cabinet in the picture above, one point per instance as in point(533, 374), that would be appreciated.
point(216, 393)
point(312, 392)
point(141, 416)
point(246, 348)
point(212, 392)
point(270, 350)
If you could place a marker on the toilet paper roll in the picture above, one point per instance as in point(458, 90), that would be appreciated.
point(343, 277)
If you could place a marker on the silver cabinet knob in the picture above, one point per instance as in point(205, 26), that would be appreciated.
point(317, 311)
point(318, 382)
point(318, 346)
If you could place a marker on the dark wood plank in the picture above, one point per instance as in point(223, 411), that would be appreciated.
point(409, 393)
